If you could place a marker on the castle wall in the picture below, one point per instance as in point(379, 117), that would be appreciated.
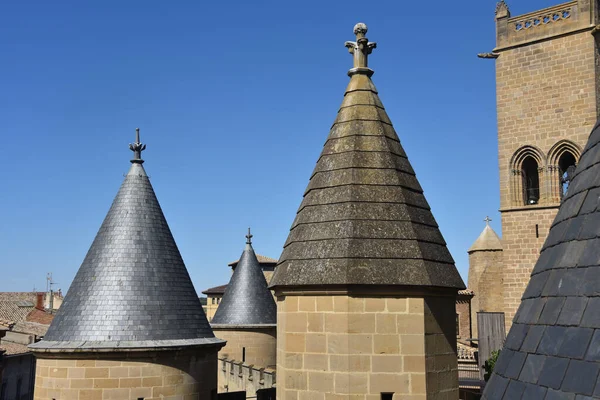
point(260, 345)
point(187, 374)
point(546, 92)
point(238, 376)
point(352, 347)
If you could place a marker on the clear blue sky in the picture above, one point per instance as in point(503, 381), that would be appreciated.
point(234, 100)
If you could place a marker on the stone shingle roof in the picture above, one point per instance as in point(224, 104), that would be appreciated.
point(132, 289)
point(488, 240)
point(553, 348)
point(364, 218)
point(247, 300)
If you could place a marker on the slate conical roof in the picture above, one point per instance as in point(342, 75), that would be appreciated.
point(247, 299)
point(553, 348)
point(132, 289)
point(488, 240)
point(364, 218)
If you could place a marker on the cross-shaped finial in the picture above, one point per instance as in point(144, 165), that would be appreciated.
point(361, 50)
point(249, 237)
point(137, 148)
point(487, 220)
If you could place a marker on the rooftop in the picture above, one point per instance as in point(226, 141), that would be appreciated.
point(364, 219)
point(247, 300)
point(132, 290)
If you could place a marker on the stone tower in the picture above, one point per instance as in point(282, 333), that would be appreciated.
point(247, 315)
point(485, 274)
point(365, 285)
point(131, 325)
point(553, 348)
point(547, 102)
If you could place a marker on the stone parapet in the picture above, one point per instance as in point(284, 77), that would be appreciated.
point(254, 345)
point(239, 376)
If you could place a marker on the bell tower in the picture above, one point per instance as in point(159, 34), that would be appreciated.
point(547, 103)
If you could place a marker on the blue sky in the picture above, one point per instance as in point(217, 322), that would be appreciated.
point(234, 100)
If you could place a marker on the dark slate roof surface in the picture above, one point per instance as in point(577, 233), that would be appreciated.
point(132, 289)
point(247, 300)
point(364, 218)
point(553, 348)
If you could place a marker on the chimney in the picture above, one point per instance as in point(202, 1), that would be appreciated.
point(40, 301)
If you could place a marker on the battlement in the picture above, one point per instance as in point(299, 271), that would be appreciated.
point(563, 19)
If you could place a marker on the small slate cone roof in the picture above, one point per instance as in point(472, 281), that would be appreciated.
point(364, 218)
point(132, 289)
point(553, 348)
point(488, 240)
point(247, 300)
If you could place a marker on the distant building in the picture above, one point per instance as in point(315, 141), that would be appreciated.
point(22, 323)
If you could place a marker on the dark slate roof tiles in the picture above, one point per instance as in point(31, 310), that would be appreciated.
point(553, 344)
point(132, 289)
point(364, 218)
point(247, 300)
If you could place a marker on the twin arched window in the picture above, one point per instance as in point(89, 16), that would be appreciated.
point(540, 179)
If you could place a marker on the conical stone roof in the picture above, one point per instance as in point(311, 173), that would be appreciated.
point(553, 348)
point(364, 218)
point(247, 300)
point(488, 240)
point(132, 289)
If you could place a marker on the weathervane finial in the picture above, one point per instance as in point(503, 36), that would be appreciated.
point(249, 237)
point(137, 148)
point(361, 50)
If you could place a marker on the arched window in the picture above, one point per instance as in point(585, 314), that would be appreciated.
point(566, 168)
point(531, 181)
point(562, 159)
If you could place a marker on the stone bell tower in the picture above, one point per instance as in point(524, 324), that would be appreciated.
point(547, 103)
point(365, 285)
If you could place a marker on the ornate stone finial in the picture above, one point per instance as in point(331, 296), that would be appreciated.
point(487, 220)
point(249, 237)
point(502, 10)
point(361, 50)
point(137, 148)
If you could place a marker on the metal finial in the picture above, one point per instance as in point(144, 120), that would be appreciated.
point(137, 148)
point(361, 50)
point(487, 220)
point(249, 237)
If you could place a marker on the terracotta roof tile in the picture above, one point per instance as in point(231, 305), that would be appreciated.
point(261, 260)
point(216, 290)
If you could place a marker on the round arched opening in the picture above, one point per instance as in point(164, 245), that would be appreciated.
point(566, 167)
point(531, 181)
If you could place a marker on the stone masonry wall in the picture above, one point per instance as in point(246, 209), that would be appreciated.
point(485, 279)
point(165, 375)
point(521, 251)
point(464, 320)
point(340, 347)
point(260, 345)
point(546, 92)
